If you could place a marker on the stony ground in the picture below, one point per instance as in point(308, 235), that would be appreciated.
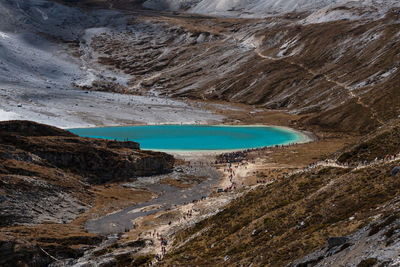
point(332, 71)
point(51, 178)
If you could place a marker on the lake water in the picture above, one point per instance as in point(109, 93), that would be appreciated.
point(194, 137)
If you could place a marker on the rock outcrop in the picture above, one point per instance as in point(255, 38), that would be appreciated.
point(97, 160)
point(376, 244)
point(47, 176)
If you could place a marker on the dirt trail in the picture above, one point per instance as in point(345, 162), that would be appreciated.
point(198, 211)
point(240, 171)
point(334, 164)
point(244, 174)
point(182, 216)
point(348, 90)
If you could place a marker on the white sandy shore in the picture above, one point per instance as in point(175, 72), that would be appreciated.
point(77, 109)
point(302, 138)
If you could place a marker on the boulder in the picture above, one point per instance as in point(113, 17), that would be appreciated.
point(337, 241)
point(395, 171)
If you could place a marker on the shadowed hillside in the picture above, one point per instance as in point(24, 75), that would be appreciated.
point(47, 176)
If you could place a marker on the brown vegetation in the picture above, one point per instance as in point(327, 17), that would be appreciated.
point(288, 219)
point(340, 76)
point(375, 146)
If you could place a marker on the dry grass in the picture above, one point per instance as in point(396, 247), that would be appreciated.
point(112, 197)
point(323, 200)
point(385, 142)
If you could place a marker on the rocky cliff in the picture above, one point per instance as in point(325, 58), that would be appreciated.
point(96, 160)
point(46, 177)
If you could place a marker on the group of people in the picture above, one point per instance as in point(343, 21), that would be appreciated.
point(187, 215)
point(231, 173)
point(163, 241)
point(363, 163)
point(231, 157)
point(230, 188)
point(164, 244)
point(390, 157)
point(239, 156)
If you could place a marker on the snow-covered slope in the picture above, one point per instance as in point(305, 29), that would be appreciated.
point(226, 6)
point(257, 8)
point(40, 15)
point(45, 52)
point(52, 18)
point(28, 57)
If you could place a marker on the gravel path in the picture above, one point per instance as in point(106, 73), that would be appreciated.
point(169, 196)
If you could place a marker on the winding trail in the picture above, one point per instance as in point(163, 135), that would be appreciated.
point(334, 164)
point(347, 89)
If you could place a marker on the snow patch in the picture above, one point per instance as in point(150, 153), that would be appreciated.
point(286, 46)
point(327, 15)
point(44, 15)
point(388, 73)
point(3, 35)
point(8, 115)
point(261, 8)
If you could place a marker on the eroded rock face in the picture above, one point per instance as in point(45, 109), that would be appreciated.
point(96, 160)
point(46, 179)
point(45, 172)
point(28, 200)
point(376, 243)
point(11, 256)
point(16, 253)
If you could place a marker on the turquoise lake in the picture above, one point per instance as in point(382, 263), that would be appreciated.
point(194, 137)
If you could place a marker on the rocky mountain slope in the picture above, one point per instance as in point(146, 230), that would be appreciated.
point(339, 71)
point(45, 58)
point(333, 65)
point(376, 145)
point(259, 8)
point(47, 176)
point(329, 64)
point(338, 215)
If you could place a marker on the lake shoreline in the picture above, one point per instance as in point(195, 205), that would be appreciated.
point(301, 138)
